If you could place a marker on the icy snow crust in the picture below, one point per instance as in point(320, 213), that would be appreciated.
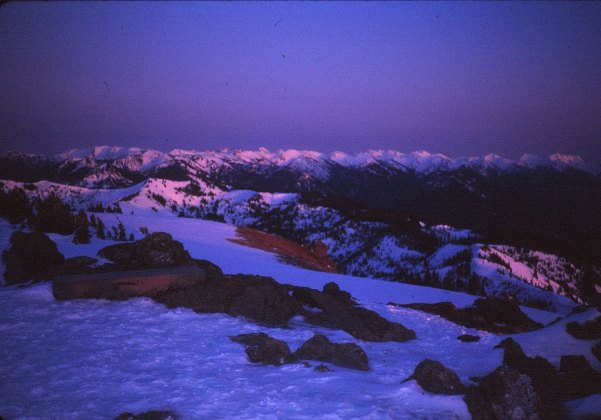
point(93, 359)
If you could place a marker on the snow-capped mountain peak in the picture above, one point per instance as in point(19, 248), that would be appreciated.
point(313, 163)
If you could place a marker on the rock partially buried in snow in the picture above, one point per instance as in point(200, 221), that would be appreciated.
point(493, 314)
point(258, 298)
point(503, 394)
point(332, 289)
point(467, 338)
point(322, 368)
point(158, 249)
point(264, 349)
point(270, 352)
point(338, 310)
point(345, 354)
point(434, 377)
point(147, 415)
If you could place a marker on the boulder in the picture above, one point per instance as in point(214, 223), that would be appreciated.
point(31, 256)
point(148, 415)
point(336, 309)
point(346, 354)
point(258, 298)
point(467, 338)
point(434, 377)
point(322, 368)
point(264, 349)
point(596, 350)
point(158, 249)
point(589, 330)
point(544, 377)
point(578, 377)
point(503, 394)
point(492, 314)
point(270, 352)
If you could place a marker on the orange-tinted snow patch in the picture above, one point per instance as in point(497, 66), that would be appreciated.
point(289, 252)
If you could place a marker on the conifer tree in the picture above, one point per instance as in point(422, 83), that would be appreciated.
point(100, 234)
point(120, 232)
point(52, 215)
point(15, 206)
point(82, 232)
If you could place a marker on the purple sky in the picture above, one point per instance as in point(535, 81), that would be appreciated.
point(457, 78)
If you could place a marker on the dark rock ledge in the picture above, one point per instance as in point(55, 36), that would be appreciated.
point(492, 314)
point(160, 268)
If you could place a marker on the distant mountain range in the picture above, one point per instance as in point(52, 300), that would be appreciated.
point(416, 217)
point(321, 167)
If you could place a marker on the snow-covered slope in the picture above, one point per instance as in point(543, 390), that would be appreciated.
point(95, 359)
point(438, 255)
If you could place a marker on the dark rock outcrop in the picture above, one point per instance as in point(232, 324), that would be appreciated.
point(503, 394)
point(345, 354)
point(264, 349)
point(589, 330)
point(336, 309)
point(467, 338)
point(31, 256)
point(212, 271)
point(545, 378)
point(122, 285)
point(148, 415)
point(332, 289)
point(578, 377)
point(596, 350)
point(158, 249)
point(434, 377)
point(493, 314)
point(513, 355)
point(258, 298)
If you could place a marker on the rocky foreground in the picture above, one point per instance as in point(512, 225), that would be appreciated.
point(160, 268)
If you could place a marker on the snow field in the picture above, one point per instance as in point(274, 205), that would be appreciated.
point(94, 359)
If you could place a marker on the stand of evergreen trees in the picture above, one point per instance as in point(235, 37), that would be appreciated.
point(51, 215)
